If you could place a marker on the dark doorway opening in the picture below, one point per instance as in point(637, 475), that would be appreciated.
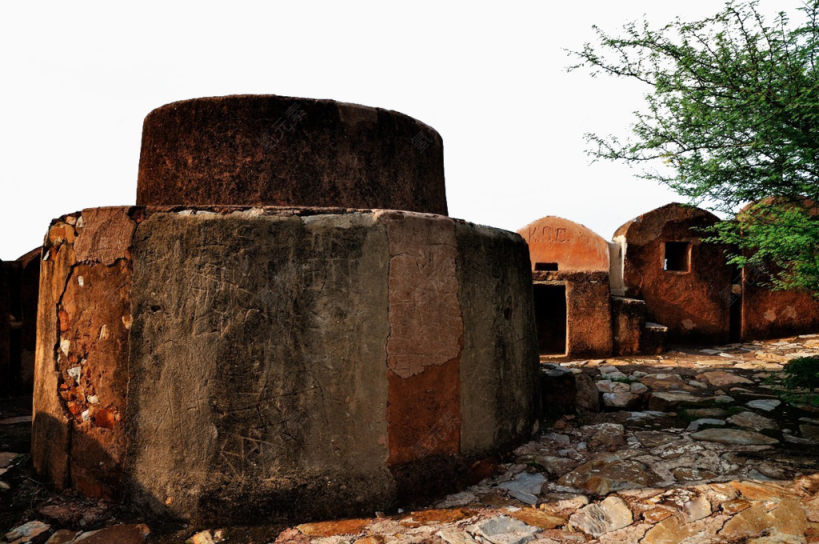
point(550, 315)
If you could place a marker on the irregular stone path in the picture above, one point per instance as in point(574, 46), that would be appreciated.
point(690, 446)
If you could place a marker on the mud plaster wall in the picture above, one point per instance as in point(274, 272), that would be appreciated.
point(571, 245)
point(78, 438)
point(322, 444)
point(242, 370)
point(588, 311)
point(272, 150)
point(627, 323)
point(424, 347)
point(230, 335)
point(694, 304)
point(499, 395)
point(769, 314)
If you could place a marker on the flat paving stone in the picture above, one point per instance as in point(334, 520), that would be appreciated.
point(734, 436)
point(767, 405)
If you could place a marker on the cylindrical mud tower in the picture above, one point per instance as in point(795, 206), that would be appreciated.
point(256, 354)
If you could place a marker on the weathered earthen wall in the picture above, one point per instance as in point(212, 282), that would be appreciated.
point(589, 314)
point(770, 314)
point(81, 361)
point(564, 252)
point(570, 245)
point(320, 364)
point(693, 304)
point(627, 322)
point(767, 313)
point(245, 329)
point(588, 311)
point(273, 150)
point(494, 280)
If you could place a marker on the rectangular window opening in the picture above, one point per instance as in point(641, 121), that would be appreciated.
point(545, 267)
point(677, 257)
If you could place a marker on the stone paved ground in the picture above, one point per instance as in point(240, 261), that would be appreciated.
point(689, 446)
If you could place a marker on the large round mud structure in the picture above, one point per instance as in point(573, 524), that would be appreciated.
point(279, 151)
point(236, 363)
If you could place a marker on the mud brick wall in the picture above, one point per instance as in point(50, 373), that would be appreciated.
point(273, 150)
point(693, 304)
point(324, 364)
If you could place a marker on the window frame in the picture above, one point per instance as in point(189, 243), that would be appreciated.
point(688, 254)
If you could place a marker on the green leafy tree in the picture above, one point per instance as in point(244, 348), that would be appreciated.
point(731, 118)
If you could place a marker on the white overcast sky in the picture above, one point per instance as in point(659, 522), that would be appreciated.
point(79, 77)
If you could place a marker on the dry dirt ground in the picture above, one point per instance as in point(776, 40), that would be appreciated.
point(699, 445)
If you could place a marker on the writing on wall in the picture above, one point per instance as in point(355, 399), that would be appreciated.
point(547, 233)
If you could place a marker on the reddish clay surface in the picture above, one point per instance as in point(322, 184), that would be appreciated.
point(767, 313)
point(443, 307)
point(423, 414)
point(771, 314)
point(106, 235)
point(273, 150)
point(628, 317)
point(82, 355)
point(572, 246)
point(93, 318)
point(693, 303)
point(578, 259)
point(588, 313)
point(51, 430)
